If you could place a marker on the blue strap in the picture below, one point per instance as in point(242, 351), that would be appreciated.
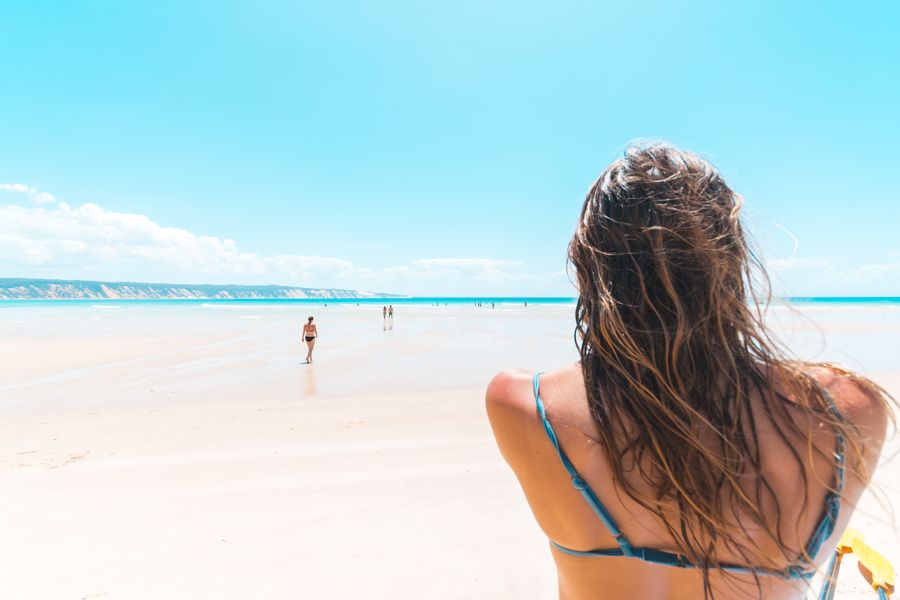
point(606, 552)
point(827, 522)
point(821, 533)
point(577, 482)
point(660, 557)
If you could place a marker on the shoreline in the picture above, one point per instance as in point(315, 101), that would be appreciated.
point(404, 299)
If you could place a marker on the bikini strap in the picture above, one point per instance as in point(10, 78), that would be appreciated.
point(839, 444)
point(577, 482)
point(827, 523)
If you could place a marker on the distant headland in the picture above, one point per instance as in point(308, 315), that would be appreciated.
point(28, 289)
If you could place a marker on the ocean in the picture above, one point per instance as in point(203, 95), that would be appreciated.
point(424, 300)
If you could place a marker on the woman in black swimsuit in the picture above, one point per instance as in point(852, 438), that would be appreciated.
point(310, 333)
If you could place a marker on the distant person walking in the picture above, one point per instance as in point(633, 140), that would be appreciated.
point(384, 312)
point(310, 333)
point(390, 311)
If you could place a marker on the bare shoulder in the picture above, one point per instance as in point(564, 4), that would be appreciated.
point(512, 410)
point(864, 405)
point(858, 400)
point(512, 414)
point(508, 395)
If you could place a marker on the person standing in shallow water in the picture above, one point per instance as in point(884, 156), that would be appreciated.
point(391, 311)
point(310, 333)
point(384, 312)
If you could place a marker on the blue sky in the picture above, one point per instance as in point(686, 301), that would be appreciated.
point(432, 148)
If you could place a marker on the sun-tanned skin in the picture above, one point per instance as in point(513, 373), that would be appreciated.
point(565, 517)
point(310, 335)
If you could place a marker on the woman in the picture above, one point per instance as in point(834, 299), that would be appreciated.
point(685, 455)
point(310, 333)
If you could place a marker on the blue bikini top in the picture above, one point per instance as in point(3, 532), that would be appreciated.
point(822, 532)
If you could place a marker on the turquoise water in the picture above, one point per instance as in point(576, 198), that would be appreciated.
point(313, 301)
point(411, 300)
point(844, 299)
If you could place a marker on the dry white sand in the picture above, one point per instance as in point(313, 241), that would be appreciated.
point(186, 452)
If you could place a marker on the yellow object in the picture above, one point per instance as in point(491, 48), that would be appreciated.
point(881, 570)
point(845, 544)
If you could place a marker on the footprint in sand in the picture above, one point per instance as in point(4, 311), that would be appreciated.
point(75, 457)
point(36, 458)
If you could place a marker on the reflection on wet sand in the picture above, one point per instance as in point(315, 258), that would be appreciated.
point(310, 389)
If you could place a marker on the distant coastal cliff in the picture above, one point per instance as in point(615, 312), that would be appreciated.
point(26, 289)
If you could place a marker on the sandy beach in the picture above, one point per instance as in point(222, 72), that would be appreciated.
point(185, 451)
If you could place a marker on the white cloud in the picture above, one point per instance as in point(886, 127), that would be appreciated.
point(877, 273)
point(49, 238)
point(455, 276)
point(813, 276)
point(487, 268)
point(17, 188)
point(35, 195)
point(42, 198)
point(88, 241)
point(89, 236)
point(396, 270)
point(489, 272)
point(784, 265)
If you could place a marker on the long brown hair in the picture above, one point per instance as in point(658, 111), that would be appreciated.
point(673, 346)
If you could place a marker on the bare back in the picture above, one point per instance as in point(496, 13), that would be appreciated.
point(567, 519)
